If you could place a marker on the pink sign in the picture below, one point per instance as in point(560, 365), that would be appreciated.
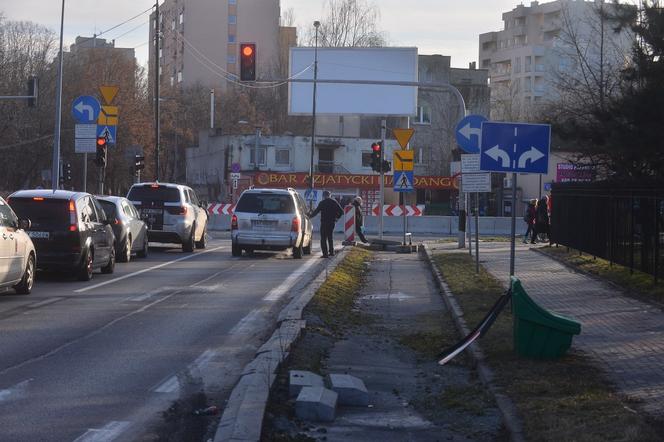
point(572, 173)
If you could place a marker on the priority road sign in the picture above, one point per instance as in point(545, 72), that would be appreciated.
point(108, 116)
point(85, 109)
point(468, 133)
point(403, 159)
point(403, 181)
point(403, 136)
point(515, 147)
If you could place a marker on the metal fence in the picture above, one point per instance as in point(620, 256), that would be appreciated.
point(622, 223)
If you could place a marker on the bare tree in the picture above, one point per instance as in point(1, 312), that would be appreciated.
point(287, 17)
point(349, 23)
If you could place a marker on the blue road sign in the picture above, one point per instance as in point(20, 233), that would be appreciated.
point(468, 133)
point(311, 195)
point(110, 132)
point(404, 181)
point(85, 109)
point(515, 147)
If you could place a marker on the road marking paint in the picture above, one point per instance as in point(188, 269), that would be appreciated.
point(170, 385)
point(105, 434)
point(46, 302)
point(276, 293)
point(246, 323)
point(208, 278)
point(140, 272)
point(15, 391)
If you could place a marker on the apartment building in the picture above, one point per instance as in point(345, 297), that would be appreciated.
point(201, 40)
point(533, 48)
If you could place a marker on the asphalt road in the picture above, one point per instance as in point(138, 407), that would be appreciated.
point(101, 360)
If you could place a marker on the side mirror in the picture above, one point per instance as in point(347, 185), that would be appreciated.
point(24, 224)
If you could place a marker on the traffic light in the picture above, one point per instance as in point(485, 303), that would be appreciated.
point(33, 91)
point(248, 62)
point(376, 156)
point(139, 162)
point(102, 145)
point(66, 173)
point(387, 166)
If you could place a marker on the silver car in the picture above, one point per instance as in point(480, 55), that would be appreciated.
point(17, 253)
point(271, 219)
point(172, 213)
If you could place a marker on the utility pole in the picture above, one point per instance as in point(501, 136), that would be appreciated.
point(313, 121)
point(157, 35)
point(55, 171)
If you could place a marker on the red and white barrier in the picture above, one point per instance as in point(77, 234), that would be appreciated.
point(221, 209)
point(349, 225)
point(397, 210)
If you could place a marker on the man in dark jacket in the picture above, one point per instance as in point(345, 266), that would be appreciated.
point(330, 212)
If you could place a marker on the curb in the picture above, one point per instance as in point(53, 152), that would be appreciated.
point(505, 404)
point(242, 419)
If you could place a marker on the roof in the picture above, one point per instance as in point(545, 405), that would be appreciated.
point(48, 194)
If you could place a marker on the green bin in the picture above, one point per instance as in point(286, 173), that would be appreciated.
point(539, 333)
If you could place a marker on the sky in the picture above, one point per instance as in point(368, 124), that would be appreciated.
point(446, 27)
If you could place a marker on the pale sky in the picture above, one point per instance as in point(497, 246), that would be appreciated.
point(446, 27)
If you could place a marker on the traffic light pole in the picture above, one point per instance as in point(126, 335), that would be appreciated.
point(383, 131)
point(85, 172)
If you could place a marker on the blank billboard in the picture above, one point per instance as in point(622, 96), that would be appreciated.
point(364, 64)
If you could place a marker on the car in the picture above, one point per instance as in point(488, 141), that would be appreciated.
point(131, 233)
point(17, 253)
point(69, 229)
point(172, 213)
point(271, 219)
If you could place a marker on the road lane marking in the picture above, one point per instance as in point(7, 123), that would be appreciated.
point(172, 384)
point(15, 391)
point(107, 433)
point(45, 302)
point(140, 272)
point(247, 322)
point(276, 293)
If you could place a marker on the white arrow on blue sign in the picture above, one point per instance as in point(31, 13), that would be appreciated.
point(85, 109)
point(515, 147)
point(468, 133)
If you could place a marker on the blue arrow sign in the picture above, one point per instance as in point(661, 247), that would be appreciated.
point(515, 147)
point(109, 131)
point(85, 109)
point(404, 181)
point(468, 133)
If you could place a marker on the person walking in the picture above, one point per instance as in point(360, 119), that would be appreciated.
point(542, 219)
point(330, 211)
point(359, 219)
point(530, 217)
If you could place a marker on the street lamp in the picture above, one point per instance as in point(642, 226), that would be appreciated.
point(313, 120)
point(55, 168)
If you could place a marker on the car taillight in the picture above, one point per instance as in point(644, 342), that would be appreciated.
point(234, 222)
point(295, 226)
point(73, 221)
point(179, 210)
point(116, 221)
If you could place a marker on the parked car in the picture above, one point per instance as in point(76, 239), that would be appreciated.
point(172, 213)
point(271, 219)
point(69, 230)
point(131, 233)
point(17, 253)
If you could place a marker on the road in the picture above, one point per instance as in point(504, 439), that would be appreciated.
point(102, 360)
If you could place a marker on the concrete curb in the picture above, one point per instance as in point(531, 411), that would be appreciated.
point(242, 419)
point(505, 404)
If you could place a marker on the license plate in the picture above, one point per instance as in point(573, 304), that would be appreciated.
point(153, 211)
point(40, 235)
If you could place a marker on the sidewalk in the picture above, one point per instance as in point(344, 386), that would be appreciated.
point(625, 336)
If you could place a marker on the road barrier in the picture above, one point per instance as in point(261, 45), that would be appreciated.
point(397, 210)
point(349, 224)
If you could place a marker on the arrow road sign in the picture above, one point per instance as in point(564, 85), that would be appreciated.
point(468, 133)
point(515, 147)
point(403, 181)
point(85, 109)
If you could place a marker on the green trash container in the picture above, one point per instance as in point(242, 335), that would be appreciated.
point(538, 333)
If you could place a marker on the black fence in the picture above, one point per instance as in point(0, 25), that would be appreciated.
point(618, 222)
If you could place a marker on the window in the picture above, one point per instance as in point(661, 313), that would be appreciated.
point(419, 156)
point(517, 65)
point(172, 80)
point(231, 59)
point(7, 218)
point(179, 76)
point(366, 159)
point(528, 62)
point(257, 156)
point(182, 17)
point(232, 2)
point(232, 38)
point(232, 19)
point(423, 115)
point(282, 157)
point(265, 203)
point(173, 25)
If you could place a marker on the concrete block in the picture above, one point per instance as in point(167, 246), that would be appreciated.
point(299, 379)
point(316, 404)
point(351, 390)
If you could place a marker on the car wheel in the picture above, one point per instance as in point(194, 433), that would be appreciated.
point(110, 267)
point(236, 250)
point(188, 245)
point(25, 286)
point(143, 253)
point(125, 256)
point(297, 252)
point(85, 271)
point(203, 242)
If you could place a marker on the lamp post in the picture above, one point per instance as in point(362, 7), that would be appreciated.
point(55, 171)
point(313, 119)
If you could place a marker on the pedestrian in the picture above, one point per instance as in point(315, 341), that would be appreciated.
point(529, 217)
point(542, 219)
point(359, 219)
point(330, 212)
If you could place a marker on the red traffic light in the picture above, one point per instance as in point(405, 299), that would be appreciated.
point(248, 62)
point(101, 141)
point(247, 51)
point(375, 147)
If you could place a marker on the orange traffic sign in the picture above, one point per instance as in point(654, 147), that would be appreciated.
point(108, 93)
point(404, 160)
point(403, 136)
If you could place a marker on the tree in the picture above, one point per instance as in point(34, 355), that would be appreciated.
point(349, 23)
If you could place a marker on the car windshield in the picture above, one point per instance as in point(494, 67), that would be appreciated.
point(154, 193)
point(109, 208)
point(265, 203)
point(43, 213)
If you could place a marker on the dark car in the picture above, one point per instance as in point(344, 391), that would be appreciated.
point(69, 230)
point(131, 233)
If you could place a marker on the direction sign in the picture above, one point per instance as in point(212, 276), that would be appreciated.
point(85, 109)
point(403, 136)
point(515, 147)
point(468, 133)
point(85, 131)
point(403, 159)
point(110, 132)
point(108, 116)
point(85, 145)
point(108, 93)
point(235, 176)
point(403, 181)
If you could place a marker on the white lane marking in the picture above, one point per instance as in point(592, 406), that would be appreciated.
point(172, 384)
point(246, 323)
point(45, 302)
point(208, 278)
point(276, 293)
point(15, 391)
point(140, 272)
point(107, 433)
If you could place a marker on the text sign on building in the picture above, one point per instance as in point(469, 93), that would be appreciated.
point(403, 159)
point(515, 147)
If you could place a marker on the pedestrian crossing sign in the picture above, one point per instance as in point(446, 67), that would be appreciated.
point(404, 181)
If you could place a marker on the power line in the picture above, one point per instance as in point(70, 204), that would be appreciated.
point(116, 26)
point(131, 30)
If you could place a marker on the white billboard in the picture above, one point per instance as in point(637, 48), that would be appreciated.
point(359, 64)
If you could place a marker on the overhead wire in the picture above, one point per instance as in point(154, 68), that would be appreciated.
point(117, 26)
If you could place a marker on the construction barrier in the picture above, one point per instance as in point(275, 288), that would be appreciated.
point(349, 225)
point(397, 210)
point(220, 209)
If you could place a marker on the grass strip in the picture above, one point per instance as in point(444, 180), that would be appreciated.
point(565, 399)
point(636, 284)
